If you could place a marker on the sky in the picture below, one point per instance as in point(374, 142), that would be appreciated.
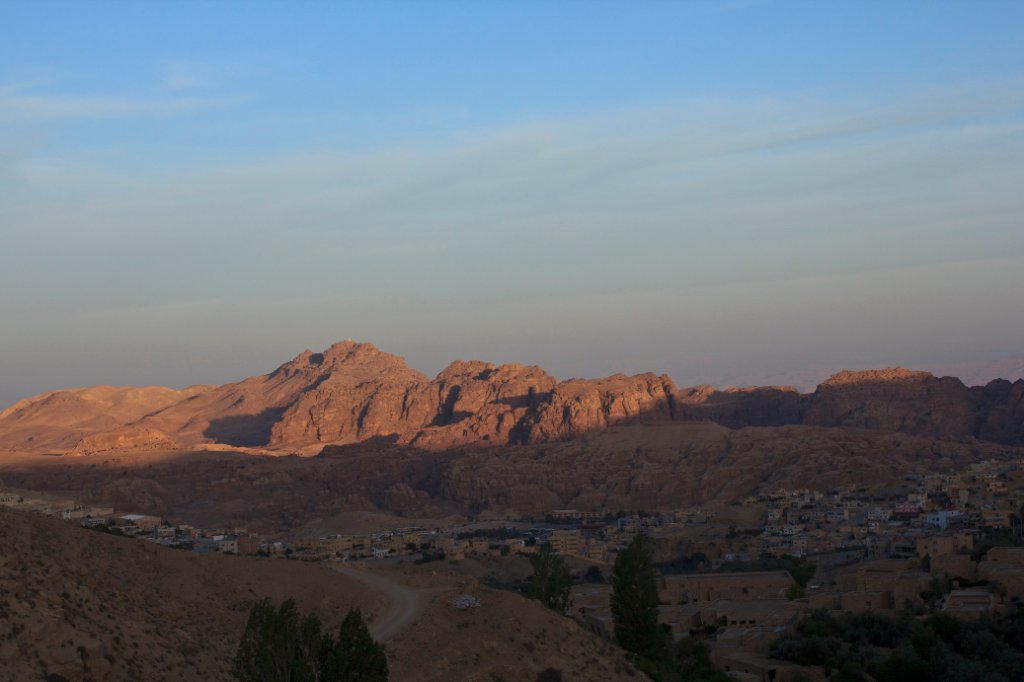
point(735, 192)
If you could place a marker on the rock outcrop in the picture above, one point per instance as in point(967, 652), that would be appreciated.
point(246, 413)
point(123, 438)
point(360, 393)
point(477, 402)
point(578, 406)
point(739, 407)
point(1000, 411)
point(894, 400)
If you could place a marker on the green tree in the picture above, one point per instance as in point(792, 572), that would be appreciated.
point(278, 645)
point(594, 575)
point(691, 659)
point(551, 580)
point(635, 600)
point(356, 657)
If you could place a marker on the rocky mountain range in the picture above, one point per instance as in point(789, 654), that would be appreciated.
point(353, 392)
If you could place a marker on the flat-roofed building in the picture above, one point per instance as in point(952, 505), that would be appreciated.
point(940, 545)
point(706, 587)
point(567, 542)
point(140, 521)
point(754, 668)
point(774, 613)
point(969, 603)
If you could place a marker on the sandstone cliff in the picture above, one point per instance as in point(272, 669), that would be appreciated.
point(360, 393)
point(123, 438)
point(477, 402)
point(894, 400)
point(578, 406)
point(1000, 411)
point(739, 407)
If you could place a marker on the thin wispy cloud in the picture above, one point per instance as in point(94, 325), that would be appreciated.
point(181, 75)
point(21, 104)
point(178, 80)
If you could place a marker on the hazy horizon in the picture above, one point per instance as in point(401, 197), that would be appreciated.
point(728, 193)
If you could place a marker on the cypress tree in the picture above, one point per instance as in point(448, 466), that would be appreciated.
point(551, 580)
point(635, 600)
point(278, 645)
point(357, 658)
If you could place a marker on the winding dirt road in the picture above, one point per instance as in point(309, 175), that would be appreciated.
point(405, 604)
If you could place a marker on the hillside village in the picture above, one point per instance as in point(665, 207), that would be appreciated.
point(739, 574)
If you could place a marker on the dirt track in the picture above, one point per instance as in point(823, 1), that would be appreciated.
point(405, 604)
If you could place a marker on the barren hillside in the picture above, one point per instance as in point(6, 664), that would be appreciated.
point(82, 605)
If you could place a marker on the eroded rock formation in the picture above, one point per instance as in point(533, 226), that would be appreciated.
point(894, 400)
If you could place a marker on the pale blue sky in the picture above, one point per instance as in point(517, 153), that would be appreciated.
point(729, 192)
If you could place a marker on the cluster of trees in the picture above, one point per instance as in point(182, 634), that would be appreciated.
point(280, 645)
point(552, 580)
point(857, 647)
point(849, 646)
point(999, 537)
point(635, 611)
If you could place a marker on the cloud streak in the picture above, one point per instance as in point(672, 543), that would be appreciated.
point(21, 104)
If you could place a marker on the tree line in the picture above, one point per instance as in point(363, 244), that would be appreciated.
point(634, 606)
point(280, 645)
point(937, 648)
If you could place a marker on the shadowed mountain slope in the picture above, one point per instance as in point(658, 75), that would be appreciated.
point(657, 466)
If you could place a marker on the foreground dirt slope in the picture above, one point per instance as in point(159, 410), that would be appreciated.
point(81, 605)
point(506, 639)
point(89, 606)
